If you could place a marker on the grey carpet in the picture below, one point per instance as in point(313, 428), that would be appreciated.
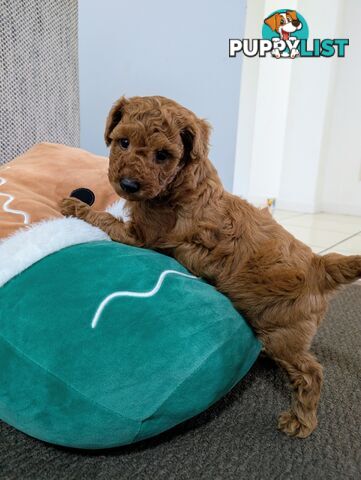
point(237, 438)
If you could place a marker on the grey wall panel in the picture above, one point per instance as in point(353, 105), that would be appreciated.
point(39, 87)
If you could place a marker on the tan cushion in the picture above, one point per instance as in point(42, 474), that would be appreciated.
point(32, 185)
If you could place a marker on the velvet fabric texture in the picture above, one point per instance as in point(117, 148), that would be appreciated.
point(148, 361)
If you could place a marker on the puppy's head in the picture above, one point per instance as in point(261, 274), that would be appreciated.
point(151, 139)
point(284, 23)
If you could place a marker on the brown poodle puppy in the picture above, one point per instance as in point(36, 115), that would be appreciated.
point(159, 164)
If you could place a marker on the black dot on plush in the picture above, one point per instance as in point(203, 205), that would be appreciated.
point(84, 194)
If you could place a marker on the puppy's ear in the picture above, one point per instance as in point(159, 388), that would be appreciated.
point(292, 14)
point(114, 117)
point(273, 21)
point(195, 138)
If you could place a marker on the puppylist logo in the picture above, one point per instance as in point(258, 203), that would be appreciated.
point(285, 35)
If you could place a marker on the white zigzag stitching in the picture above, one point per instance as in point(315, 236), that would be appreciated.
point(150, 293)
point(10, 198)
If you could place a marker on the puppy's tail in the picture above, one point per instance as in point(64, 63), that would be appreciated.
point(339, 269)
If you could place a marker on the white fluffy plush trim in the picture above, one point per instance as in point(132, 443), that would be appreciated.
point(117, 210)
point(31, 244)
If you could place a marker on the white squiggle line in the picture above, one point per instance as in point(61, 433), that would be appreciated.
point(136, 294)
point(10, 198)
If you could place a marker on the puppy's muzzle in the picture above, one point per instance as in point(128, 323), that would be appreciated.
point(129, 185)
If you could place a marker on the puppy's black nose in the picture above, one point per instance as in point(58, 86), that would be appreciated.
point(128, 185)
point(295, 23)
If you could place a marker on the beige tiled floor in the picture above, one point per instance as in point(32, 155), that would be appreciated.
point(324, 232)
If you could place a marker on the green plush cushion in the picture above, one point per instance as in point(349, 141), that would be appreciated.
point(149, 364)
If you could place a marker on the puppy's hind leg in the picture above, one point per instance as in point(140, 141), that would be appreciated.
point(305, 374)
point(306, 377)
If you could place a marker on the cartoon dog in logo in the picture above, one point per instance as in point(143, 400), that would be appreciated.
point(284, 24)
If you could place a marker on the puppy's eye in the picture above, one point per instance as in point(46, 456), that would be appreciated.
point(282, 21)
point(161, 155)
point(124, 143)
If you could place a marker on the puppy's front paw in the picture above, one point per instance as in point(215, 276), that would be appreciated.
point(74, 207)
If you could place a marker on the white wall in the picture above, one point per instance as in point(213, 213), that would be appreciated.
point(311, 87)
point(159, 47)
point(303, 142)
point(340, 177)
point(248, 100)
point(268, 88)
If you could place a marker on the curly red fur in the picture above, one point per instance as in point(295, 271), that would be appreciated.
point(182, 209)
